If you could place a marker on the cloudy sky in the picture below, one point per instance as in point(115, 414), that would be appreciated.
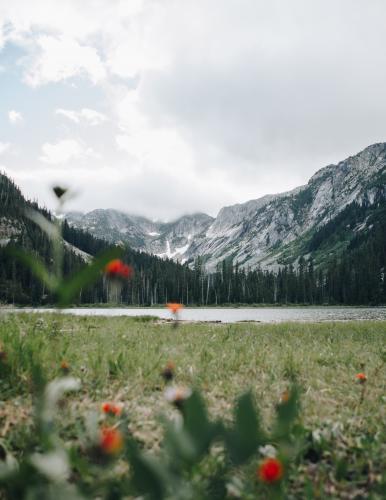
point(164, 107)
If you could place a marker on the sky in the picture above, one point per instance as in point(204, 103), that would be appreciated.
point(167, 107)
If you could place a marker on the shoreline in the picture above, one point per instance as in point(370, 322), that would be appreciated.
point(219, 316)
point(191, 307)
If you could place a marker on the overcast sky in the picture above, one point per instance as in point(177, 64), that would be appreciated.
point(165, 107)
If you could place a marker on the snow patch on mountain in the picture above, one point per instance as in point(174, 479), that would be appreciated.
point(255, 233)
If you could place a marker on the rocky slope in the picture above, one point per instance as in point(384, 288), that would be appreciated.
point(169, 240)
point(264, 232)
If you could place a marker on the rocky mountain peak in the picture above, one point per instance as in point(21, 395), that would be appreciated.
point(259, 232)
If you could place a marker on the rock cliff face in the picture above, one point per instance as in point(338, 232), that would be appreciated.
point(169, 240)
point(258, 232)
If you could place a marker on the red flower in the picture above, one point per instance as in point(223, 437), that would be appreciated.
point(174, 307)
point(361, 377)
point(112, 409)
point(270, 470)
point(117, 269)
point(111, 440)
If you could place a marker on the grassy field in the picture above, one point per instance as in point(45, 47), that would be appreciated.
point(120, 359)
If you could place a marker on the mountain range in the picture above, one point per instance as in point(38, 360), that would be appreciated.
point(267, 232)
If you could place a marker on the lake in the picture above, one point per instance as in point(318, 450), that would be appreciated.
point(234, 314)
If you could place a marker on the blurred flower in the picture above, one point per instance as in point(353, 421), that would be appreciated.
point(174, 307)
point(112, 408)
point(177, 395)
point(284, 396)
point(111, 440)
point(59, 191)
point(3, 355)
point(168, 372)
point(268, 451)
point(117, 269)
point(65, 367)
point(361, 377)
point(270, 470)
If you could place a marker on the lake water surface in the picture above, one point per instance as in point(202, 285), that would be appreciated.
point(236, 314)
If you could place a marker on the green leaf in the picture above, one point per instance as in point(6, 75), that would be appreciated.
point(197, 424)
point(286, 413)
point(149, 476)
point(187, 444)
point(45, 225)
point(86, 275)
point(36, 266)
point(179, 445)
point(245, 437)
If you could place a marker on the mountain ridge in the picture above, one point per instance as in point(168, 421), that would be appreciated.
point(256, 233)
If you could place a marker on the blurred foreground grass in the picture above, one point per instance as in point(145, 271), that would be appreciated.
point(120, 359)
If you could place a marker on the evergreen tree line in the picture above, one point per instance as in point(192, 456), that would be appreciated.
point(354, 277)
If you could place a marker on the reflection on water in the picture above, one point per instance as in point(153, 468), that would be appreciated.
point(232, 315)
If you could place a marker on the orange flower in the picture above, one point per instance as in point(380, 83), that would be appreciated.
point(174, 307)
point(284, 398)
point(117, 269)
point(112, 409)
point(65, 367)
point(361, 377)
point(111, 440)
point(270, 470)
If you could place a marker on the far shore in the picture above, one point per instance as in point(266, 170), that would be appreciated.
point(218, 306)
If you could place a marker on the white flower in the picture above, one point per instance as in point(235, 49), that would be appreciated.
point(268, 451)
point(177, 394)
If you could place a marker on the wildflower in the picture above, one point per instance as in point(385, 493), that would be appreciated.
point(270, 470)
point(65, 367)
point(284, 396)
point(168, 372)
point(117, 269)
point(177, 395)
point(111, 440)
point(112, 409)
point(174, 307)
point(59, 191)
point(361, 377)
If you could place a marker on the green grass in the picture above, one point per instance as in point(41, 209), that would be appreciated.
point(121, 359)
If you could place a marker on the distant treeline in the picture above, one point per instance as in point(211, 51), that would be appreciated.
point(353, 277)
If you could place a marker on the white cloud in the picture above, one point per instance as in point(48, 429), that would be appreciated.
point(206, 113)
point(87, 115)
point(69, 114)
point(79, 20)
point(1, 37)
point(74, 38)
point(60, 58)
point(64, 151)
point(4, 146)
point(15, 117)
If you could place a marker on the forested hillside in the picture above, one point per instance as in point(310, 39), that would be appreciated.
point(352, 274)
point(154, 281)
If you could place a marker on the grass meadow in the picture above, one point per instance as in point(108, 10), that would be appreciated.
point(120, 359)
